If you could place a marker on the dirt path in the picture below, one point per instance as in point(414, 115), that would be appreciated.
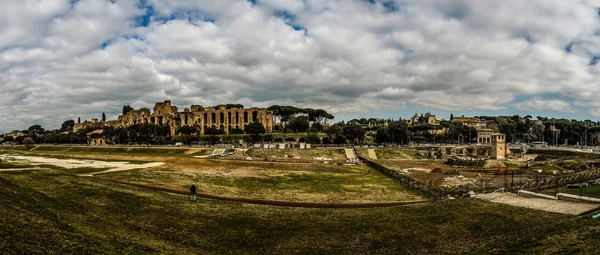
point(216, 152)
point(192, 151)
point(126, 168)
point(78, 163)
point(556, 206)
point(372, 154)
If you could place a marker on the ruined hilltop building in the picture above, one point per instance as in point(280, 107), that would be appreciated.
point(470, 122)
point(427, 119)
point(201, 118)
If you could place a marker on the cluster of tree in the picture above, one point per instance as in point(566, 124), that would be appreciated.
point(366, 131)
point(138, 133)
point(370, 121)
point(229, 106)
point(67, 126)
point(37, 134)
point(340, 133)
point(541, 129)
point(126, 109)
point(516, 128)
point(234, 106)
point(298, 119)
point(160, 134)
point(402, 133)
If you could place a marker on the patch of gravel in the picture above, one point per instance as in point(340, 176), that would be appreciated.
point(556, 206)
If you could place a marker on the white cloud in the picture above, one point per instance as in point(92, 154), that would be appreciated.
point(24, 22)
point(540, 104)
point(344, 56)
point(595, 112)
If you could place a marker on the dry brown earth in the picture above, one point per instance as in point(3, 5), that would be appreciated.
point(548, 205)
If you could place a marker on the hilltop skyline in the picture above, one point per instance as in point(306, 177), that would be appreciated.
point(62, 59)
point(440, 115)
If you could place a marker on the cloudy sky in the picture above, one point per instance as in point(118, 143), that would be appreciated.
point(63, 59)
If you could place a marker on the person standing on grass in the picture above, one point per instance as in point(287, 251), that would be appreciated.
point(193, 192)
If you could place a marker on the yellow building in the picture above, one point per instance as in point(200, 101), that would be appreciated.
point(96, 137)
point(471, 122)
point(484, 136)
point(498, 150)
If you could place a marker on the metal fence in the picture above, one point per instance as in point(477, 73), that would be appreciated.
point(406, 180)
point(559, 180)
point(428, 189)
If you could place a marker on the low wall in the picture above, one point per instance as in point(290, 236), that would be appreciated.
point(526, 193)
point(576, 198)
point(559, 196)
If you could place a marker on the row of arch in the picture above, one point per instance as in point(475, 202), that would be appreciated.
point(484, 140)
point(209, 118)
point(185, 119)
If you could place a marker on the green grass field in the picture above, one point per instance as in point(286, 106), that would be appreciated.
point(14, 147)
point(11, 165)
point(58, 213)
point(590, 191)
point(547, 169)
point(53, 211)
point(280, 181)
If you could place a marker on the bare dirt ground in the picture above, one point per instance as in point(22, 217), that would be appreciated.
point(405, 164)
point(556, 206)
point(300, 154)
point(224, 168)
point(77, 163)
point(195, 150)
point(448, 176)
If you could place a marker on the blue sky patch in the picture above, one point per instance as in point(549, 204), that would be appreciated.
point(594, 60)
point(105, 44)
point(135, 37)
point(289, 19)
point(191, 16)
point(390, 6)
point(525, 36)
point(529, 39)
point(144, 20)
point(569, 47)
point(458, 15)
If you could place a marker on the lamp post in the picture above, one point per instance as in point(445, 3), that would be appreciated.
point(470, 139)
point(434, 134)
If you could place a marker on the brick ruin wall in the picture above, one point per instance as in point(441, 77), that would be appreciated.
point(196, 116)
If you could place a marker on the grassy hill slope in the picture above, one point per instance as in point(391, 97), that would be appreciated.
point(55, 212)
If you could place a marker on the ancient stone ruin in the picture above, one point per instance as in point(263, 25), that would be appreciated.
point(201, 118)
